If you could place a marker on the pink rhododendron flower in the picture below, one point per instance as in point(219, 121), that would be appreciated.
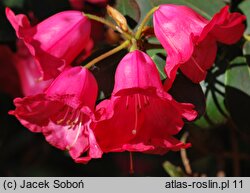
point(190, 39)
point(56, 41)
point(140, 116)
point(63, 113)
point(29, 73)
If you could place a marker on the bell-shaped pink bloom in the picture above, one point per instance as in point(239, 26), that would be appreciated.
point(63, 113)
point(29, 74)
point(56, 41)
point(190, 39)
point(140, 115)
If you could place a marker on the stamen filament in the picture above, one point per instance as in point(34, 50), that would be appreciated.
point(70, 119)
point(144, 22)
point(139, 102)
point(64, 117)
point(136, 116)
point(196, 64)
point(127, 100)
point(28, 108)
point(78, 127)
point(146, 100)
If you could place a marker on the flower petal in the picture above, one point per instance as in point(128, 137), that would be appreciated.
point(177, 28)
point(94, 149)
point(202, 59)
point(75, 87)
point(158, 119)
point(136, 70)
point(225, 27)
point(34, 111)
point(76, 139)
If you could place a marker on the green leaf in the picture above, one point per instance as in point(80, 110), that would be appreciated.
point(159, 58)
point(129, 9)
point(238, 92)
point(246, 51)
point(238, 75)
point(137, 9)
point(245, 7)
point(14, 3)
point(160, 64)
point(173, 170)
point(158, 55)
point(153, 40)
point(246, 48)
point(216, 113)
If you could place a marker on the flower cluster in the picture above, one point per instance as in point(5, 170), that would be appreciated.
point(140, 115)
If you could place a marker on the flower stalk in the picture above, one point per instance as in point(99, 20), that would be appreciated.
point(144, 22)
point(109, 24)
point(128, 35)
point(124, 45)
point(134, 45)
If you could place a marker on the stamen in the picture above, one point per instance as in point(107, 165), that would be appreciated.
point(146, 100)
point(40, 79)
point(64, 117)
point(74, 118)
point(127, 100)
point(196, 64)
point(136, 118)
point(28, 108)
point(78, 126)
point(139, 101)
point(70, 120)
